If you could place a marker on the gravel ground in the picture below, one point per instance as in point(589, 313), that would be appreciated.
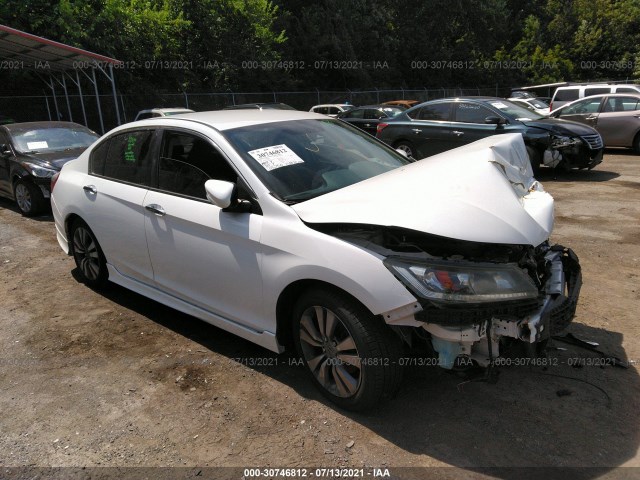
point(112, 379)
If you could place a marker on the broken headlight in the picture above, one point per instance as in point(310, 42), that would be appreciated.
point(463, 282)
point(560, 141)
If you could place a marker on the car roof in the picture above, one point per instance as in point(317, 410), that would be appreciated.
point(334, 105)
point(228, 119)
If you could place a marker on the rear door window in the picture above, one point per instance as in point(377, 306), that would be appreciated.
point(596, 91)
point(129, 159)
point(566, 95)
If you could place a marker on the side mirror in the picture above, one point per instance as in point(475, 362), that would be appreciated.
point(220, 193)
point(225, 195)
point(494, 120)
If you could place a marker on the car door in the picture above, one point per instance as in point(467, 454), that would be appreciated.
point(619, 120)
point(120, 172)
point(584, 111)
point(430, 129)
point(201, 254)
point(469, 125)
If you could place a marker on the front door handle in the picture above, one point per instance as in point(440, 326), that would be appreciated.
point(90, 189)
point(458, 133)
point(416, 130)
point(155, 208)
point(592, 117)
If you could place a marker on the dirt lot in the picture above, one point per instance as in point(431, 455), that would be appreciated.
point(112, 379)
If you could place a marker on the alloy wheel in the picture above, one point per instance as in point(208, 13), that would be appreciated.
point(23, 197)
point(330, 351)
point(86, 253)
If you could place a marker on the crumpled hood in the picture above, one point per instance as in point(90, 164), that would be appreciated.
point(482, 192)
point(560, 126)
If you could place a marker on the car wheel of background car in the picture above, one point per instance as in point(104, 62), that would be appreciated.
point(636, 144)
point(88, 255)
point(351, 354)
point(406, 147)
point(29, 198)
point(534, 158)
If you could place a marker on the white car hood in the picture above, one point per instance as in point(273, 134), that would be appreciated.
point(482, 192)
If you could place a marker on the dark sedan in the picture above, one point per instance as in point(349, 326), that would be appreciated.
point(368, 117)
point(32, 153)
point(438, 125)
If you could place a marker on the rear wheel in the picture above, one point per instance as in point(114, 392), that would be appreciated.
point(29, 198)
point(88, 255)
point(636, 144)
point(351, 354)
point(406, 147)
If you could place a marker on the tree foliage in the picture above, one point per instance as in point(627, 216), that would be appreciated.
point(256, 45)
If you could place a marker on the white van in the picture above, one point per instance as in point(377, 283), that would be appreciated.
point(564, 95)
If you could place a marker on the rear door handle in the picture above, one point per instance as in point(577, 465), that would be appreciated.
point(592, 117)
point(458, 133)
point(416, 130)
point(90, 189)
point(155, 208)
point(367, 124)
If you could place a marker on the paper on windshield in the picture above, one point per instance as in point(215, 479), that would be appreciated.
point(37, 145)
point(276, 156)
point(499, 105)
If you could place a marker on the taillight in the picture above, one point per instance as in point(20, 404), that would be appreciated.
point(381, 126)
point(54, 179)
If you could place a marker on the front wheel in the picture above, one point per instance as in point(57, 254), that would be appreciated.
point(407, 148)
point(29, 198)
point(636, 144)
point(88, 255)
point(351, 354)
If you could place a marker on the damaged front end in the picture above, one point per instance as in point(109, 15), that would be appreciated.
point(471, 245)
point(476, 299)
point(472, 310)
point(569, 152)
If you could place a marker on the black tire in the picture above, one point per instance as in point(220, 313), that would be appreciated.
point(88, 255)
point(29, 198)
point(636, 144)
point(406, 147)
point(351, 335)
point(534, 158)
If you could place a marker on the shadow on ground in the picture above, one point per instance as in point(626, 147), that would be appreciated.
point(533, 416)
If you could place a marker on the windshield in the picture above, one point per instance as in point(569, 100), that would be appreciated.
point(513, 111)
point(302, 159)
point(41, 140)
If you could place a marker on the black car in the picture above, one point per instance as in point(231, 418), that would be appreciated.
point(32, 153)
point(367, 117)
point(438, 125)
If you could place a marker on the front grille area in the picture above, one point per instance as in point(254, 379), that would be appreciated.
point(473, 314)
point(594, 141)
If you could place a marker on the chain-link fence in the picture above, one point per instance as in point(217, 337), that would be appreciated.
point(45, 107)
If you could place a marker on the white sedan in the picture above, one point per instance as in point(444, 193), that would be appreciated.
point(532, 104)
point(294, 230)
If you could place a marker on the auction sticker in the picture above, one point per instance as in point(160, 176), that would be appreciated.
point(37, 145)
point(276, 156)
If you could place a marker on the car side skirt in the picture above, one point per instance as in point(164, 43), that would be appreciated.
point(264, 339)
